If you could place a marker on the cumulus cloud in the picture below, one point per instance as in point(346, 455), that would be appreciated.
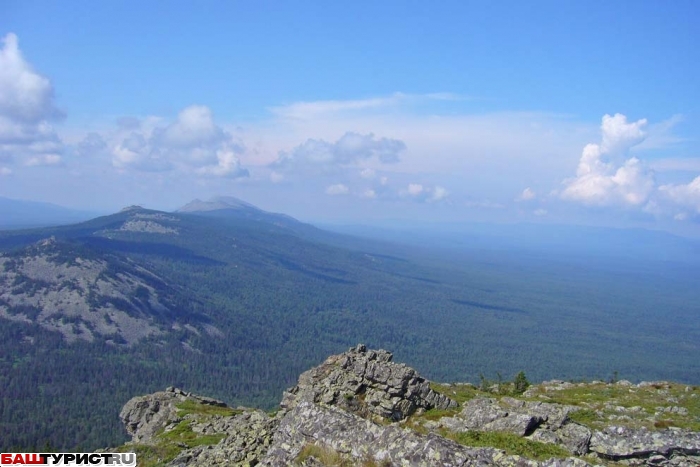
point(603, 177)
point(439, 193)
point(369, 194)
point(26, 109)
point(415, 189)
point(47, 159)
point(318, 155)
point(685, 195)
point(193, 143)
point(337, 189)
point(228, 165)
point(526, 195)
point(420, 193)
point(24, 94)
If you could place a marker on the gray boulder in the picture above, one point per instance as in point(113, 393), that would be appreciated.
point(145, 416)
point(358, 440)
point(540, 421)
point(618, 443)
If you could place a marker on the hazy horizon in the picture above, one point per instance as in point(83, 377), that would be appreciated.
point(498, 113)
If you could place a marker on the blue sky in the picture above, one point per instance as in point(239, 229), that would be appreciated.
point(568, 112)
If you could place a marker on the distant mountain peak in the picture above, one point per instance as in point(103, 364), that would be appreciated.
point(216, 203)
point(133, 207)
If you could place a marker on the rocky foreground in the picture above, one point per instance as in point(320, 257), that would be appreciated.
point(361, 408)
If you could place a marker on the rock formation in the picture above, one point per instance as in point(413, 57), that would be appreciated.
point(367, 381)
point(360, 408)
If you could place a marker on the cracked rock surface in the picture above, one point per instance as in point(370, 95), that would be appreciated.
point(353, 409)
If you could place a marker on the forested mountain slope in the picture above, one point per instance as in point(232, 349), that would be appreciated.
point(240, 301)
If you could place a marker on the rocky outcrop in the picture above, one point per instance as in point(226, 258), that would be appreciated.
point(353, 409)
point(618, 443)
point(247, 438)
point(145, 416)
point(366, 382)
point(360, 440)
point(540, 421)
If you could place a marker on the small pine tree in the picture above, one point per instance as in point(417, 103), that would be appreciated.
point(520, 383)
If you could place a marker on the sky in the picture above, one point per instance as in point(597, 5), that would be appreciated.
point(363, 112)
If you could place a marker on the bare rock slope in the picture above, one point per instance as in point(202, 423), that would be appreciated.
point(86, 295)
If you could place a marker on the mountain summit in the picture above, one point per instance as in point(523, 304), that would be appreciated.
point(218, 203)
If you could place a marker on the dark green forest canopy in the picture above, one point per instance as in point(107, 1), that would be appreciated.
point(284, 295)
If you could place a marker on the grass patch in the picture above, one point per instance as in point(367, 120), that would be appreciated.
point(585, 417)
point(183, 434)
point(509, 442)
point(459, 393)
point(661, 424)
point(437, 414)
point(193, 407)
point(169, 445)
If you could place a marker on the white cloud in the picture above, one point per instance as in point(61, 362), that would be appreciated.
point(5, 171)
point(193, 143)
point(526, 195)
point(25, 95)
point(600, 179)
point(337, 189)
point(540, 212)
point(686, 195)
point(619, 136)
point(439, 193)
point(26, 108)
point(324, 108)
point(228, 166)
point(369, 194)
point(319, 155)
point(415, 189)
point(418, 192)
point(315, 109)
point(194, 128)
point(47, 159)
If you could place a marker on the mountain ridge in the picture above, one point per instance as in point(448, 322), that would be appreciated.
point(265, 300)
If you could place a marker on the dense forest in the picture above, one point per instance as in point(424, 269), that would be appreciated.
point(284, 295)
